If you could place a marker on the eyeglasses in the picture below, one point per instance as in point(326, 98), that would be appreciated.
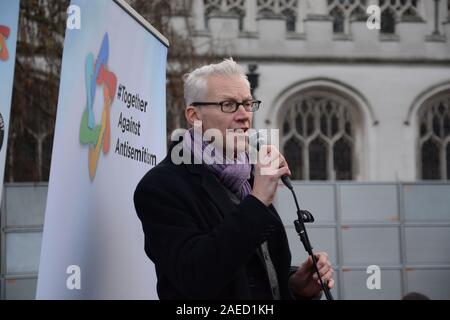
point(230, 106)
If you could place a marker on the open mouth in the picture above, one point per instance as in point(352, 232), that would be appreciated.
point(240, 130)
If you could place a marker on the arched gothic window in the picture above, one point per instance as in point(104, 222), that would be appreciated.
point(318, 136)
point(434, 138)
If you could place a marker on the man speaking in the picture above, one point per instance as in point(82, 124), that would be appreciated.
point(210, 227)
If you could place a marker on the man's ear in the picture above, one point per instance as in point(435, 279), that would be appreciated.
point(192, 114)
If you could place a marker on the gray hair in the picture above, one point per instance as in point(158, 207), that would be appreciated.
point(195, 83)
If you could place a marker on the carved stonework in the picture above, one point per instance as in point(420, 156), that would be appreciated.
point(403, 9)
point(224, 7)
point(275, 8)
point(344, 11)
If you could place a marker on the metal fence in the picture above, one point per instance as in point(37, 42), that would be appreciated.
point(404, 228)
point(22, 219)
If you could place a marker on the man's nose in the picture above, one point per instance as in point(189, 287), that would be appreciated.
point(241, 113)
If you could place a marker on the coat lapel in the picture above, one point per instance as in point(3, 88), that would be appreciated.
point(212, 187)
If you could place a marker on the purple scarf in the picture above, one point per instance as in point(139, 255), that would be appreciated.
point(234, 174)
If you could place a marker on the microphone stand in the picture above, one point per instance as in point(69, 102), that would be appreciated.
point(303, 216)
point(306, 216)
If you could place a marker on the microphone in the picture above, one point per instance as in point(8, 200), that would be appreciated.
point(256, 140)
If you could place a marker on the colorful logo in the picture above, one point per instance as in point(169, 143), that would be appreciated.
point(4, 34)
point(97, 136)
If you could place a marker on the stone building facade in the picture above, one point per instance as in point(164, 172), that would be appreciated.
point(351, 103)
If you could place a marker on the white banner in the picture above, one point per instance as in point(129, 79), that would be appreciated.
point(110, 130)
point(9, 18)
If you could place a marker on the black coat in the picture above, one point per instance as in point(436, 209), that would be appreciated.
point(202, 244)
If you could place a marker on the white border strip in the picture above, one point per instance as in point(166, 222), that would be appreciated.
point(133, 13)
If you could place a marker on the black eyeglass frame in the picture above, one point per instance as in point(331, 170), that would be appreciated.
point(254, 106)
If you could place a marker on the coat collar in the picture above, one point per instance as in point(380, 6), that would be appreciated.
point(210, 183)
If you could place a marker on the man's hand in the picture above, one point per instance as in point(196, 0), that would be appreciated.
point(305, 284)
point(271, 167)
